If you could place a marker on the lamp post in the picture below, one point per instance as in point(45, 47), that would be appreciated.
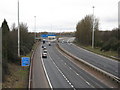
point(35, 26)
point(93, 30)
point(18, 32)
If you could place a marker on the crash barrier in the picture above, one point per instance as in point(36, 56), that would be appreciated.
point(31, 67)
point(109, 75)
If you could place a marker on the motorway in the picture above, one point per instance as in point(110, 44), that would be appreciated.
point(39, 79)
point(101, 62)
point(62, 73)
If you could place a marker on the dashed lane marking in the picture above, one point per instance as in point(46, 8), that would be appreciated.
point(62, 73)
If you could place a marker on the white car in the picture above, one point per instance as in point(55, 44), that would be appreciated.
point(49, 43)
point(44, 48)
point(44, 54)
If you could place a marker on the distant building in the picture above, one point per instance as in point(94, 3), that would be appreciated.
point(51, 37)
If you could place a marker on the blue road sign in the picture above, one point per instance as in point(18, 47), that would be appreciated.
point(51, 35)
point(25, 61)
point(46, 35)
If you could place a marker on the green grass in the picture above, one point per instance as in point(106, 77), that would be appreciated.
point(18, 75)
point(110, 54)
point(17, 78)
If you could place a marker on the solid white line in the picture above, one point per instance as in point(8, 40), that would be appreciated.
point(30, 73)
point(62, 73)
point(70, 39)
point(95, 53)
point(93, 66)
point(46, 71)
point(99, 69)
point(104, 71)
point(76, 72)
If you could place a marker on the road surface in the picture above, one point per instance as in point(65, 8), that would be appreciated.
point(63, 73)
point(104, 63)
point(39, 79)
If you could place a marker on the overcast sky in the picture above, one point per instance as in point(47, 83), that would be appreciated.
point(59, 15)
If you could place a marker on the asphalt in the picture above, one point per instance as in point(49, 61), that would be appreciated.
point(104, 63)
point(64, 74)
point(39, 79)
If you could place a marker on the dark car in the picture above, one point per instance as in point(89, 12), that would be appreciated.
point(42, 46)
point(43, 41)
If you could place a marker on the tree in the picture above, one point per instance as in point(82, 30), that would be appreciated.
point(5, 40)
point(26, 39)
point(84, 29)
point(10, 44)
point(5, 28)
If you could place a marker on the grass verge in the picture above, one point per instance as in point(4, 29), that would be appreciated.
point(18, 76)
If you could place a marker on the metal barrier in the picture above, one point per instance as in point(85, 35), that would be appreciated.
point(112, 77)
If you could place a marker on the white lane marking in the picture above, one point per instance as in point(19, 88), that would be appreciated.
point(88, 83)
point(46, 72)
point(82, 78)
point(65, 63)
point(70, 39)
point(95, 53)
point(61, 73)
point(103, 70)
point(72, 86)
point(76, 72)
point(97, 67)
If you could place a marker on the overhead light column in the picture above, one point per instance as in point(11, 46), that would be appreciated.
point(18, 32)
point(93, 30)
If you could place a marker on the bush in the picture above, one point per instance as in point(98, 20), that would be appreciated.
point(110, 45)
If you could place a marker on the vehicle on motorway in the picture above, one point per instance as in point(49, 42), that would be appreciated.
point(44, 54)
point(43, 41)
point(44, 48)
point(49, 43)
point(63, 41)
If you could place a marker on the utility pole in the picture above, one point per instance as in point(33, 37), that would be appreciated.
point(51, 28)
point(18, 32)
point(35, 26)
point(93, 30)
point(118, 26)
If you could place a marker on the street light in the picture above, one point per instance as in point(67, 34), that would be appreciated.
point(93, 30)
point(18, 32)
point(35, 26)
